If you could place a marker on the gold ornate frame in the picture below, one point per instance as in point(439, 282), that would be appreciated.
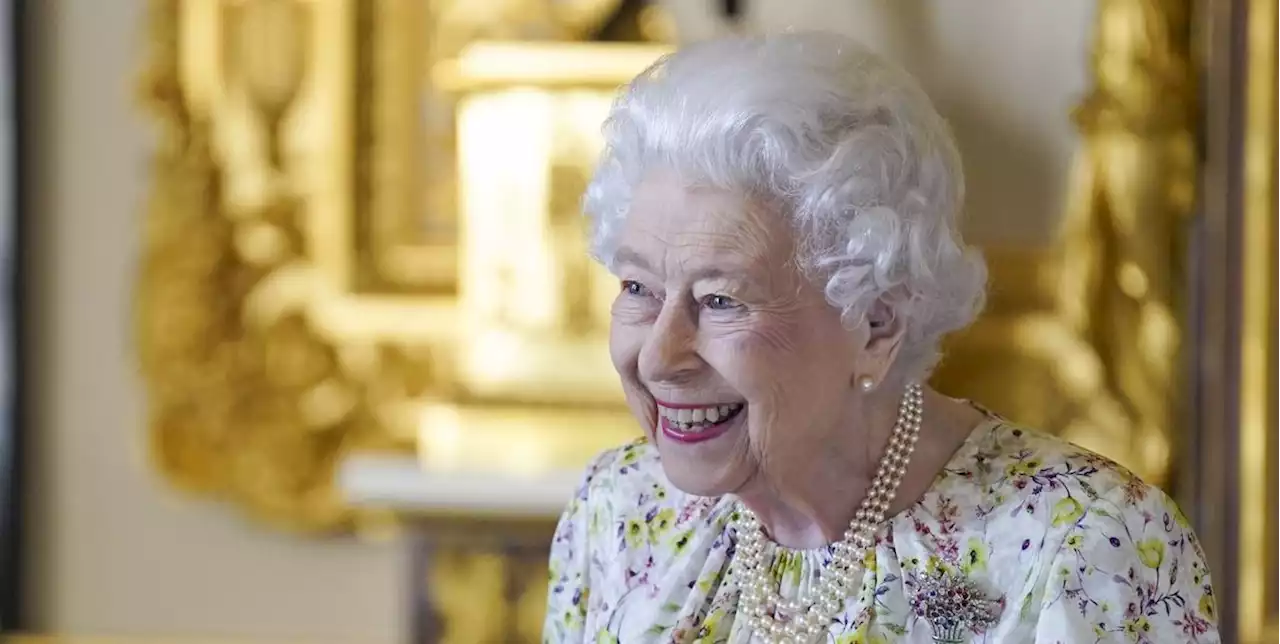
point(1258, 586)
point(1230, 472)
point(289, 316)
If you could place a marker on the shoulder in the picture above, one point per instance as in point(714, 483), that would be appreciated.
point(626, 498)
point(1093, 550)
point(626, 485)
point(1117, 556)
point(622, 471)
point(1017, 463)
point(583, 561)
point(1044, 488)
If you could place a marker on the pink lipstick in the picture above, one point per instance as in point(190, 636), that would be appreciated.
point(697, 423)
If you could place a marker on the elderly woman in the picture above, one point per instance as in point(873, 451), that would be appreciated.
point(781, 213)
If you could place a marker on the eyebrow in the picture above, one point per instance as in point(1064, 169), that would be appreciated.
point(627, 255)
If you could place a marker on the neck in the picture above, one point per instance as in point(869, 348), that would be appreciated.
point(812, 505)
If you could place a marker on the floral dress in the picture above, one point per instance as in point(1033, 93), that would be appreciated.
point(1062, 544)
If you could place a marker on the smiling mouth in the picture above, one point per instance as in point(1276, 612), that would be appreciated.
point(696, 420)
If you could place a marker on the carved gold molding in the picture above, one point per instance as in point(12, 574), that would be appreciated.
point(263, 363)
point(292, 307)
point(1086, 339)
point(1259, 567)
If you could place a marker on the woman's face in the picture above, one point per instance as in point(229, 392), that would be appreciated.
point(732, 360)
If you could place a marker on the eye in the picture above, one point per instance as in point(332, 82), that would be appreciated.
point(632, 287)
point(720, 302)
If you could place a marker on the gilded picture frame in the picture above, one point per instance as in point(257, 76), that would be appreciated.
point(293, 310)
point(1228, 479)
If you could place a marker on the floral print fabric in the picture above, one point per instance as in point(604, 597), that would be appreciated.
point(1070, 547)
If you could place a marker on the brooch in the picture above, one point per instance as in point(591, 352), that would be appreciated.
point(953, 606)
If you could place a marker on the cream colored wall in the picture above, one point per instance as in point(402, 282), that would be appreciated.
point(114, 552)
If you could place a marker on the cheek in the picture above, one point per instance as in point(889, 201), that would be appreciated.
point(771, 365)
point(759, 348)
point(754, 366)
point(624, 350)
point(625, 341)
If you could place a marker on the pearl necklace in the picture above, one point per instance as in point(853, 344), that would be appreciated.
point(781, 621)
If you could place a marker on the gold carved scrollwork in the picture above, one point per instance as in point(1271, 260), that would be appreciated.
point(1085, 340)
point(249, 399)
point(292, 307)
point(1123, 279)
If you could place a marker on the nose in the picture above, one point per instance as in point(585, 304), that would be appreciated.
point(669, 354)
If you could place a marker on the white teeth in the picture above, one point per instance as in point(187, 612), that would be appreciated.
point(699, 418)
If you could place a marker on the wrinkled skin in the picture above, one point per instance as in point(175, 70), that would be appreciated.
point(712, 309)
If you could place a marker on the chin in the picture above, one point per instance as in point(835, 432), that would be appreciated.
point(706, 462)
point(710, 477)
point(695, 483)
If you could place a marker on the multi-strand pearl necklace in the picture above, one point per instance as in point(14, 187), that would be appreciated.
point(777, 620)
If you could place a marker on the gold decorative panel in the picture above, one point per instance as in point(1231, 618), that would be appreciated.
point(363, 235)
point(362, 229)
point(1257, 617)
point(1090, 346)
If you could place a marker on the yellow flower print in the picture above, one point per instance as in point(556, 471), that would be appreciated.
point(570, 619)
point(1025, 609)
point(707, 582)
point(1208, 608)
point(712, 628)
point(681, 542)
point(1028, 467)
point(859, 636)
point(635, 533)
point(1074, 542)
point(935, 563)
point(1137, 626)
point(1198, 573)
point(789, 565)
point(975, 556)
point(1151, 552)
point(661, 523)
point(1067, 511)
point(603, 637)
point(630, 456)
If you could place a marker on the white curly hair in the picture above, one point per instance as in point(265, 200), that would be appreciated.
point(849, 145)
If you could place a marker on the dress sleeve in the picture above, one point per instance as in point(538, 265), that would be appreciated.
point(1129, 570)
point(569, 569)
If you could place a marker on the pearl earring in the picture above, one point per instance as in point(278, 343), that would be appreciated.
point(866, 383)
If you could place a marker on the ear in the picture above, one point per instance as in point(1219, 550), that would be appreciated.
point(884, 333)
